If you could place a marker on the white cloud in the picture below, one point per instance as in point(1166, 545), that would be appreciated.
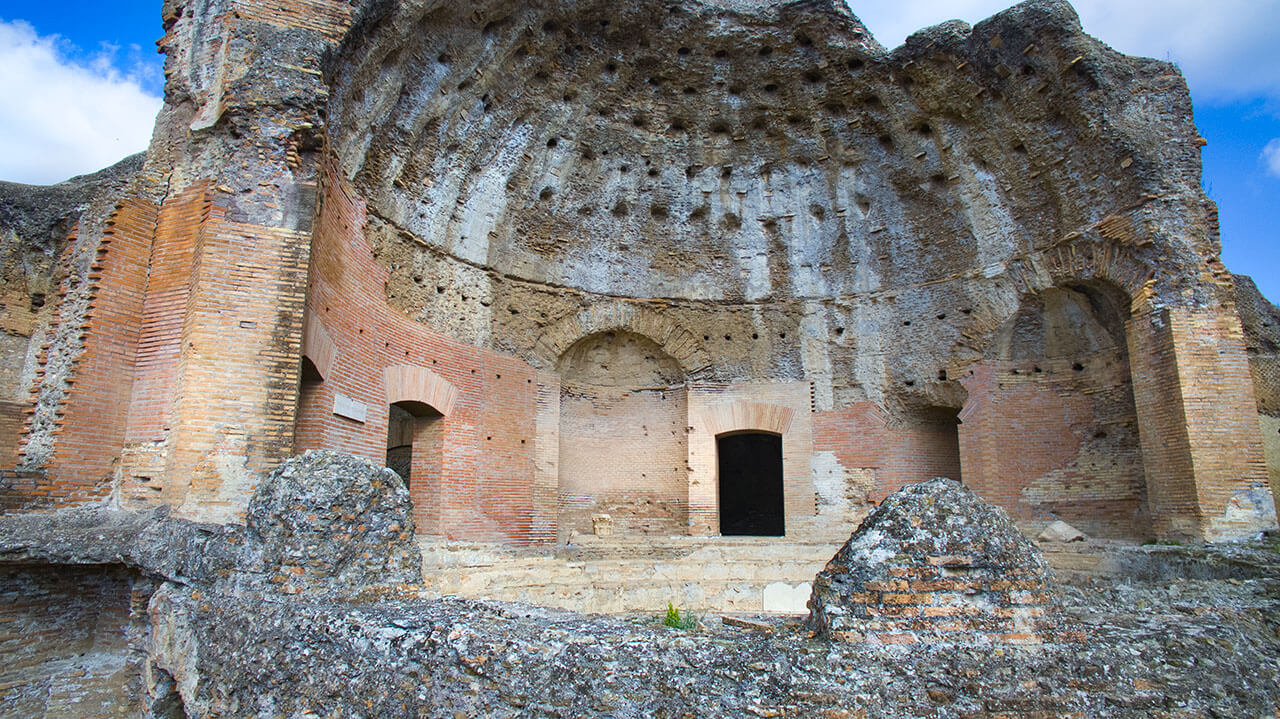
point(58, 118)
point(1271, 157)
point(1227, 49)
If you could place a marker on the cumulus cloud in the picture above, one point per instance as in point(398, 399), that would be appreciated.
point(60, 118)
point(1226, 48)
point(1271, 157)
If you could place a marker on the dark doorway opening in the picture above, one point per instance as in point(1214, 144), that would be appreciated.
point(409, 427)
point(751, 484)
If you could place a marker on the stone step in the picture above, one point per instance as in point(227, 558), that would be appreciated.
point(694, 573)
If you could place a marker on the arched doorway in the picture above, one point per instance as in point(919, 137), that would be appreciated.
point(749, 472)
point(412, 441)
point(419, 401)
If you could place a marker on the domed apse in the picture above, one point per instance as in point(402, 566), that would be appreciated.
point(1058, 424)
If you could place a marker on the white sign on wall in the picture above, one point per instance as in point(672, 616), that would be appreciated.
point(344, 406)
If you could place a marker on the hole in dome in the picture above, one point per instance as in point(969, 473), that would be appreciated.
point(550, 26)
point(721, 54)
point(546, 194)
point(553, 142)
point(804, 40)
point(813, 76)
point(690, 91)
point(684, 51)
point(765, 51)
point(855, 64)
point(770, 87)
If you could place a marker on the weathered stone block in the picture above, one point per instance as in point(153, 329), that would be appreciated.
point(935, 524)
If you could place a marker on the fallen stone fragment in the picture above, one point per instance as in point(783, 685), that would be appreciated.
point(745, 623)
point(935, 564)
point(1061, 532)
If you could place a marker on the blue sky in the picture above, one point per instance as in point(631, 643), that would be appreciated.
point(82, 82)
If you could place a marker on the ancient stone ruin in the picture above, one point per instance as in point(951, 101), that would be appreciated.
point(935, 563)
point(641, 302)
point(711, 268)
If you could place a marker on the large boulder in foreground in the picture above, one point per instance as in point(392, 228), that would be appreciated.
point(934, 563)
point(333, 523)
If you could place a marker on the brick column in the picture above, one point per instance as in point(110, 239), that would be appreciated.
point(238, 365)
point(1206, 476)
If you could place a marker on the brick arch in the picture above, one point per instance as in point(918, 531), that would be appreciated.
point(1097, 255)
point(1104, 252)
point(746, 417)
point(410, 383)
point(318, 345)
point(675, 340)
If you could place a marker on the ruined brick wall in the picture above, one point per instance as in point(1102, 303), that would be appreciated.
point(1046, 441)
point(622, 438)
point(863, 436)
point(624, 453)
point(76, 427)
point(1260, 321)
point(72, 640)
point(478, 486)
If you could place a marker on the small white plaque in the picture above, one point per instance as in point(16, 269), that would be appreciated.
point(344, 406)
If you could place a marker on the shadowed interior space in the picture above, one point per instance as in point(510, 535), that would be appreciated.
point(751, 484)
